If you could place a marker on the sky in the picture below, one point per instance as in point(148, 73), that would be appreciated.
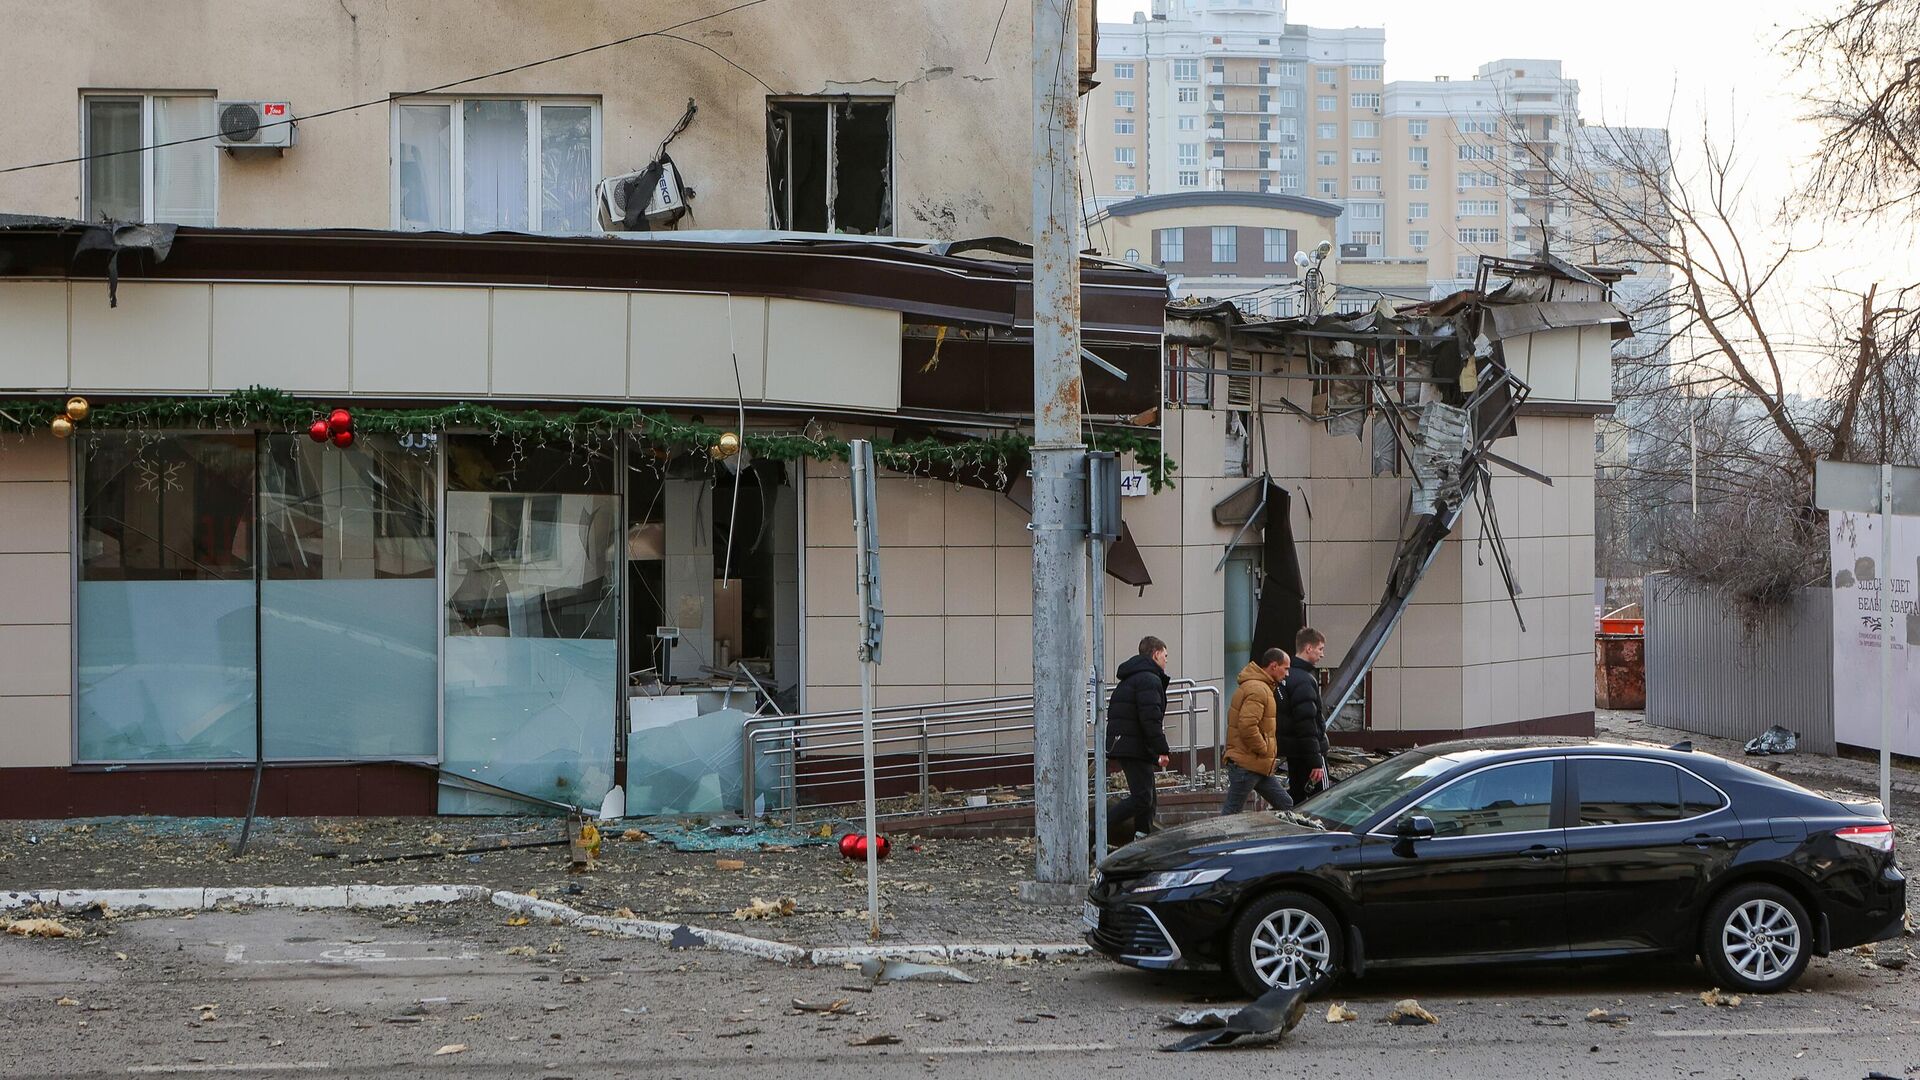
point(1690, 66)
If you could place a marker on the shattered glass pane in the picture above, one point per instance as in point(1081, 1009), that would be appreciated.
point(349, 648)
point(691, 765)
point(531, 652)
point(863, 168)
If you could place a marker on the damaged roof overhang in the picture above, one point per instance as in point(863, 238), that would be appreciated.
point(1118, 304)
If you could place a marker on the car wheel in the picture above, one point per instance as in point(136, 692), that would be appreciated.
point(1282, 940)
point(1757, 939)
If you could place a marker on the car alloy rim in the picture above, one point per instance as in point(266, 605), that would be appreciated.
point(1288, 947)
point(1761, 939)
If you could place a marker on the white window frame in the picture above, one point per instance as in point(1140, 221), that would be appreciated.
point(1365, 101)
point(1417, 155)
point(457, 151)
point(1416, 127)
point(1366, 156)
point(1418, 211)
point(1183, 73)
point(1366, 129)
point(1227, 237)
point(1123, 71)
point(1326, 103)
point(1123, 99)
point(1273, 246)
point(1175, 252)
point(145, 98)
point(1125, 155)
point(1364, 72)
point(1187, 155)
point(1326, 76)
point(1417, 239)
point(1417, 182)
point(1366, 183)
point(1123, 183)
point(1326, 131)
point(1123, 125)
point(1188, 95)
point(1189, 178)
point(1189, 122)
point(1289, 182)
point(1326, 157)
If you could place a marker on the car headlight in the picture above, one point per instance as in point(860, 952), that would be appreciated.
point(1177, 879)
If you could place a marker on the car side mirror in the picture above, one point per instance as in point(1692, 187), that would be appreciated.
point(1414, 827)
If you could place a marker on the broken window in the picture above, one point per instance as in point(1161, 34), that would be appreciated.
point(830, 165)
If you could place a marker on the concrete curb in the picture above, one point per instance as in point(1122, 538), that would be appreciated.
point(368, 897)
point(205, 899)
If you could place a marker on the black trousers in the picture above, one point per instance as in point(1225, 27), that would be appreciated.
point(1298, 768)
point(1137, 807)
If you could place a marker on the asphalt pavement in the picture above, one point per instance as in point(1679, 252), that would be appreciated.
point(338, 994)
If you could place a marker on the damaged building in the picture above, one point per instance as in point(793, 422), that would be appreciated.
point(488, 444)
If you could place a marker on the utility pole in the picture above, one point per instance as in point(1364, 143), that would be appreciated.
point(1059, 466)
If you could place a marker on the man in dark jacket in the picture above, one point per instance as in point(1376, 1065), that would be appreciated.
point(1302, 730)
point(1134, 736)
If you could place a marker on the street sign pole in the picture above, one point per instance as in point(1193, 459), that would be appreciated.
point(866, 563)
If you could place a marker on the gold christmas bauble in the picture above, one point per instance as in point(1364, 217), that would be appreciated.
point(77, 409)
point(728, 446)
point(62, 427)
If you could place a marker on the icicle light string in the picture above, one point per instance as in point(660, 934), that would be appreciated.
point(995, 457)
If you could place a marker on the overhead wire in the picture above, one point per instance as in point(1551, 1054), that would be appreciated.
point(665, 31)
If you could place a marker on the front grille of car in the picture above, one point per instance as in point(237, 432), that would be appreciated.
point(1128, 930)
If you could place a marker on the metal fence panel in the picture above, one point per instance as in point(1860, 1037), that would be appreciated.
point(1709, 670)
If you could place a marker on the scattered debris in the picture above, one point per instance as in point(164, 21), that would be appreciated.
point(738, 1034)
point(888, 971)
point(1201, 1018)
point(729, 864)
point(1409, 1013)
point(1274, 1013)
point(634, 834)
point(518, 920)
point(1714, 997)
point(683, 937)
point(40, 928)
point(451, 1048)
point(209, 1012)
point(837, 1005)
point(766, 909)
point(1774, 740)
point(876, 1040)
point(1602, 1016)
point(520, 950)
point(624, 913)
point(65, 1001)
point(1340, 1014)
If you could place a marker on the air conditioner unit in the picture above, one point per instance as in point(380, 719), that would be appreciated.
point(620, 198)
point(254, 125)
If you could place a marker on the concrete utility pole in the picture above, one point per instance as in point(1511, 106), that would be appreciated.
point(1059, 466)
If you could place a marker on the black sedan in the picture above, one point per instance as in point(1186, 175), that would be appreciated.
point(1505, 850)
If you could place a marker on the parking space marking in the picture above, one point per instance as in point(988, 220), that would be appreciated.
point(275, 1066)
point(362, 952)
point(1713, 1033)
point(1026, 1048)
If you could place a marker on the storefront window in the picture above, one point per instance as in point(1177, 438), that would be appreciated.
point(349, 623)
point(165, 620)
point(533, 538)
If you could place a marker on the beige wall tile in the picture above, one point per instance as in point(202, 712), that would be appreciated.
point(913, 652)
point(35, 515)
point(1342, 509)
point(1475, 694)
point(968, 514)
point(33, 323)
point(1430, 635)
point(820, 699)
point(1384, 707)
point(1202, 588)
point(1432, 699)
point(830, 587)
point(1202, 443)
point(833, 354)
point(1442, 583)
point(289, 337)
point(1154, 519)
point(1534, 641)
point(830, 651)
point(34, 457)
point(37, 588)
point(1339, 456)
point(1342, 623)
point(36, 661)
point(1503, 694)
point(912, 512)
point(1013, 651)
point(155, 340)
point(573, 343)
point(969, 647)
point(829, 511)
point(1010, 524)
point(1348, 572)
point(1013, 581)
point(1475, 620)
point(912, 580)
point(36, 732)
point(969, 580)
point(1503, 633)
point(413, 340)
point(1391, 498)
point(1160, 598)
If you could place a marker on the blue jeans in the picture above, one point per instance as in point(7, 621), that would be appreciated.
point(1240, 781)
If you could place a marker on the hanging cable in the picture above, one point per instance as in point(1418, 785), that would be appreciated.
point(664, 31)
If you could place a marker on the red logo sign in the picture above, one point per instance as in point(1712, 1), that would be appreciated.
point(273, 110)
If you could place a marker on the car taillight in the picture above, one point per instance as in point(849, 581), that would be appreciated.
point(1877, 837)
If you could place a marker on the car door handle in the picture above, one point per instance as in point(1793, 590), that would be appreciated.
point(1705, 841)
point(1541, 851)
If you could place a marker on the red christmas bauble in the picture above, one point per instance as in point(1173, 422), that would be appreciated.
point(340, 420)
point(318, 431)
point(846, 844)
point(886, 848)
point(343, 439)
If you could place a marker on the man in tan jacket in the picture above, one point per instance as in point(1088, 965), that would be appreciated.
point(1251, 746)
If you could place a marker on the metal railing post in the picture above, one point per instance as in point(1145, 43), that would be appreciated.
point(925, 795)
point(746, 772)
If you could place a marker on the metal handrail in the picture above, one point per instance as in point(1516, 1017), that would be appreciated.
point(833, 734)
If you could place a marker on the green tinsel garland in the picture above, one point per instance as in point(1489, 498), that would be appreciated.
point(993, 455)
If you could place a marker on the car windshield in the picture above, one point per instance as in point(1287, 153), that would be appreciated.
point(1352, 801)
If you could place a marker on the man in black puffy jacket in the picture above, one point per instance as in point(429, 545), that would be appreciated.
point(1302, 728)
point(1134, 735)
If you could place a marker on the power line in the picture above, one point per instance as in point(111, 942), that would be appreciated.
point(665, 31)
